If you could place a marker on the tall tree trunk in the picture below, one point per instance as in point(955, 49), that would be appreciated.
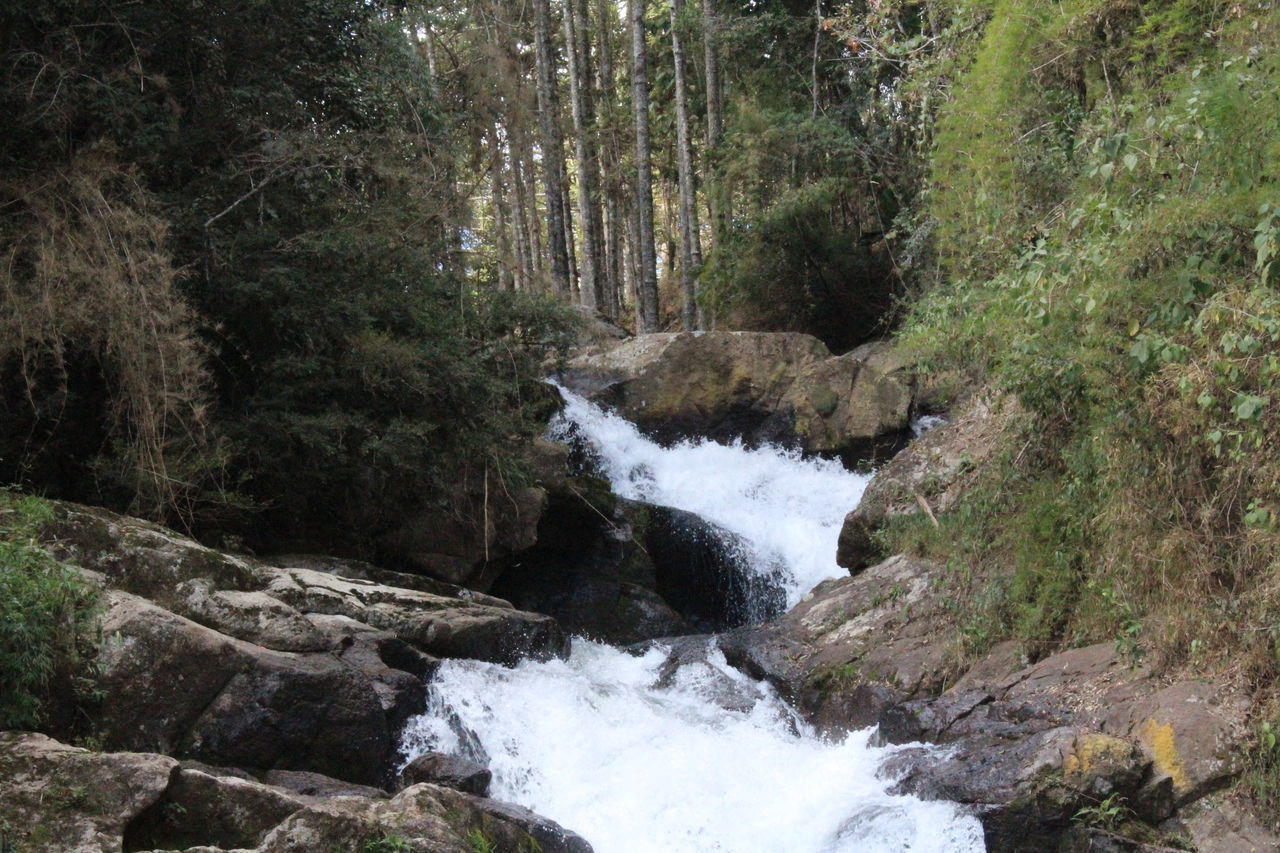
point(611, 153)
point(571, 252)
point(500, 215)
point(552, 146)
point(577, 41)
point(647, 295)
point(716, 203)
point(690, 239)
point(522, 212)
point(533, 222)
point(817, 42)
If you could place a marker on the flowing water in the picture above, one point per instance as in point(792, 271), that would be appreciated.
point(635, 759)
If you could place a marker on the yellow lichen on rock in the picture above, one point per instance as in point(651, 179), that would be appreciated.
point(1159, 741)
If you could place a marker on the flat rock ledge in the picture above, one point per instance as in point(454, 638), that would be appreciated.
point(309, 666)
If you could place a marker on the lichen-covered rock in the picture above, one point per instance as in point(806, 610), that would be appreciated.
point(56, 798)
point(423, 817)
point(140, 557)
point(756, 386)
point(1191, 730)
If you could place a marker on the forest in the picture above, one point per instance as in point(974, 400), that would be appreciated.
point(272, 267)
point(286, 273)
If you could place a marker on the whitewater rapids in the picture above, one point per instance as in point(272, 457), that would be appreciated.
point(597, 745)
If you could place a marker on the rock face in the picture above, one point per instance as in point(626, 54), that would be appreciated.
point(777, 387)
point(55, 797)
point(932, 471)
point(59, 799)
point(855, 646)
point(1032, 748)
point(235, 662)
point(624, 571)
point(1036, 746)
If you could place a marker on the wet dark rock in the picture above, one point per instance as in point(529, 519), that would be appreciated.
point(625, 571)
point(551, 836)
point(449, 771)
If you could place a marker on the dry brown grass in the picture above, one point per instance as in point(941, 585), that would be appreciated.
point(84, 268)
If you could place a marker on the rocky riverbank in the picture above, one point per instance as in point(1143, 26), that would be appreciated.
point(247, 703)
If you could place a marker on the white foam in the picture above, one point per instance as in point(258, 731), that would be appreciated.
point(788, 509)
point(596, 745)
point(592, 744)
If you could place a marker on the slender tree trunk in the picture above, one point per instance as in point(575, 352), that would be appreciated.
point(690, 239)
point(611, 153)
point(500, 215)
point(579, 51)
point(532, 219)
point(817, 41)
point(571, 253)
point(647, 295)
point(552, 146)
point(716, 203)
point(521, 213)
point(635, 266)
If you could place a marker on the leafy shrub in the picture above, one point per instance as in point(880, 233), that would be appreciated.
point(47, 618)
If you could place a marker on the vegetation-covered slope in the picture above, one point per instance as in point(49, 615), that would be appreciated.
point(1102, 206)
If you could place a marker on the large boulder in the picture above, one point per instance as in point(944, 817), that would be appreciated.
point(172, 686)
point(855, 646)
point(930, 475)
point(56, 798)
point(756, 386)
point(484, 522)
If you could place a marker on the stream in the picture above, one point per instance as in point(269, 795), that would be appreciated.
point(706, 759)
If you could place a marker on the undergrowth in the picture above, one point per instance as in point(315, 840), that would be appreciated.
point(47, 622)
point(1104, 183)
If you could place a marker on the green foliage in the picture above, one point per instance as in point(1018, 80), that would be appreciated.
point(387, 843)
point(1106, 814)
point(480, 843)
point(1263, 774)
point(294, 347)
point(47, 619)
point(1126, 299)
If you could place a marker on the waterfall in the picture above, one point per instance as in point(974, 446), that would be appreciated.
point(637, 757)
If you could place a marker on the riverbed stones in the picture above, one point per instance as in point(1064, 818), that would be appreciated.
point(756, 386)
point(56, 798)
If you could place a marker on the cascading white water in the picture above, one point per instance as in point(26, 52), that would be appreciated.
point(635, 758)
point(786, 508)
